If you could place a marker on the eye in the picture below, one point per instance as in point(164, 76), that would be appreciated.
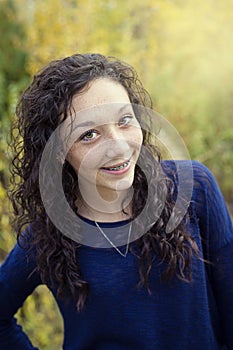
point(124, 121)
point(89, 135)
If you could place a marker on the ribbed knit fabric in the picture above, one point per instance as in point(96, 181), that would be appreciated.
point(120, 316)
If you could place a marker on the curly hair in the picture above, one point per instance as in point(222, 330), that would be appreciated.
point(41, 108)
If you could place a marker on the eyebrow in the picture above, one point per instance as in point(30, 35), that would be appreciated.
point(91, 123)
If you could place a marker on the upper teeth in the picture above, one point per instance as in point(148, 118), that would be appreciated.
point(119, 167)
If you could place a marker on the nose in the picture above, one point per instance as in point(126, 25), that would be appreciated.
point(116, 145)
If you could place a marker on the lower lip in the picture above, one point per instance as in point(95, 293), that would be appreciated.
point(118, 172)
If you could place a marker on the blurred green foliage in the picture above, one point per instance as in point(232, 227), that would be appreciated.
point(182, 51)
point(13, 76)
point(41, 320)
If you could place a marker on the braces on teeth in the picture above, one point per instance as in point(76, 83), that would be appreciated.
point(119, 167)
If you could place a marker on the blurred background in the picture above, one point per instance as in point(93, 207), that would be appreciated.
point(183, 52)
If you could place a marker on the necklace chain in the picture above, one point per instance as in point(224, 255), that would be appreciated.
point(112, 244)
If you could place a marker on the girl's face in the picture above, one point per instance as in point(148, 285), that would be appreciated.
point(108, 137)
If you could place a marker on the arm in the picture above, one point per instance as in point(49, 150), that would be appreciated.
point(16, 283)
point(217, 232)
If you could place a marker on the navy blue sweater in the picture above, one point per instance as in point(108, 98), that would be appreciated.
point(120, 316)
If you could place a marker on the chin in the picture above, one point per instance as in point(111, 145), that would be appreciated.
point(122, 185)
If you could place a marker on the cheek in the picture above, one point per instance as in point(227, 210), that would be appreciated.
point(82, 159)
point(75, 156)
point(137, 138)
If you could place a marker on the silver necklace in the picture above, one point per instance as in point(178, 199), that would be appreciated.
point(112, 244)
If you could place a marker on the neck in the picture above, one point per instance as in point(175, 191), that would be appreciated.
point(101, 210)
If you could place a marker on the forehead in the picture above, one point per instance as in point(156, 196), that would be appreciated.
point(99, 92)
point(102, 102)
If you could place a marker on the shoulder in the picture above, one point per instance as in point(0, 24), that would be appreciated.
point(198, 168)
point(189, 171)
point(195, 183)
point(197, 187)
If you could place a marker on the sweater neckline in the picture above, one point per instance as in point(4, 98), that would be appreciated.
point(105, 223)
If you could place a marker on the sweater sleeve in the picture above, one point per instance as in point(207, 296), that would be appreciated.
point(17, 282)
point(217, 234)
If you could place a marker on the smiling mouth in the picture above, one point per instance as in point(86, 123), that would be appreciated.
point(117, 167)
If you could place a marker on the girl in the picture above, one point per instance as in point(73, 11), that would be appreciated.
point(96, 220)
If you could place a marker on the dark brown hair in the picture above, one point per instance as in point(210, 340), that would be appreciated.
point(41, 108)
